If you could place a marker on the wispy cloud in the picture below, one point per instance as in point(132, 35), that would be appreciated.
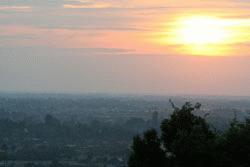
point(69, 6)
point(87, 4)
point(16, 8)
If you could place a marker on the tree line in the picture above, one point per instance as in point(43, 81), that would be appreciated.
point(188, 140)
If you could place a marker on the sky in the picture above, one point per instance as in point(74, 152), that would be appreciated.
point(125, 46)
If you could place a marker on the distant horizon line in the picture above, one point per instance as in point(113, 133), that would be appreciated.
point(123, 94)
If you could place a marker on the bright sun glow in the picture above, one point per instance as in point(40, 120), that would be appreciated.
point(202, 30)
point(202, 35)
point(205, 35)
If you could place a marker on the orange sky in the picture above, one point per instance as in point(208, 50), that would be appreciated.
point(136, 25)
point(98, 36)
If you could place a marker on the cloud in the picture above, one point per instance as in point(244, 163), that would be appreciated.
point(121, 3)
point(83, 4)
point(15, 8)
point(28, 36)
point(43, 51)
point(36, 3)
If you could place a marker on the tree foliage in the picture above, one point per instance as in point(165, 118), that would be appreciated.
point(187, 140)
point(147, 151)
point(234, 145)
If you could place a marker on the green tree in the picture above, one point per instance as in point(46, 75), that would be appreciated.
point(55, 163)
point(4, 154)
point(234, 145)
point(147, 151)
point(188, 138)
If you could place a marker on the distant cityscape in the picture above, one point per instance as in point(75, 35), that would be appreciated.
point(92, 130)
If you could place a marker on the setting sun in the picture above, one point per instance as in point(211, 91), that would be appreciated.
point(204, 35)
point(201, 30)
